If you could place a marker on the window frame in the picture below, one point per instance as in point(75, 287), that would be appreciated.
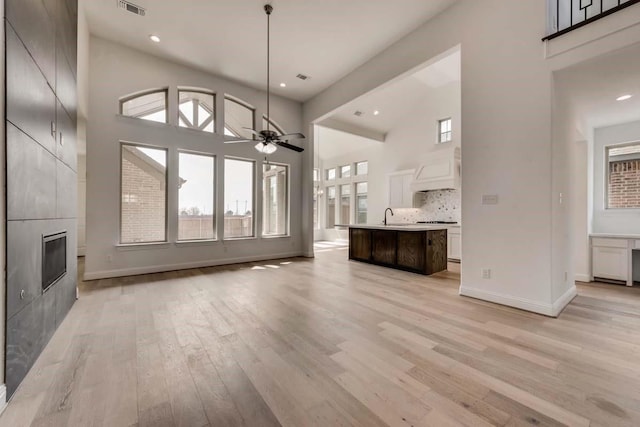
point(440, 139)
point(350, 186)
point(335, 204)
point(166, 240)
point(287, 232)
point(356, 169)
point(140, 94)
point(253, 203)
point(607, 172)
point(356, 210)
point(213, 113)
point(245, 104)
point(215, 197)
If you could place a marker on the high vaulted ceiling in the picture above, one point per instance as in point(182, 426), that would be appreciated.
point(324, 39)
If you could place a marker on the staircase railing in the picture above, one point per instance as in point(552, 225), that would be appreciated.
point(568, 15)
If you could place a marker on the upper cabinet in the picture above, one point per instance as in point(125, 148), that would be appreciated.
point(400, 194)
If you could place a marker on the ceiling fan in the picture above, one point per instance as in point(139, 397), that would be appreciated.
point(269, 140)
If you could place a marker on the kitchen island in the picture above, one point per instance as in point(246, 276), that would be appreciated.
point(416, 248)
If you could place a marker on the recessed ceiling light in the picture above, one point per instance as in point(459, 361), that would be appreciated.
point(283, 85)
point(624, 97)
point(154, 38)
point(375, 113)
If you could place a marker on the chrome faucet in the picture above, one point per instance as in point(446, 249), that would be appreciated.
point(385, 215)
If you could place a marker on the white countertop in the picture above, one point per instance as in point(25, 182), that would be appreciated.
point(615, 236)
point(401, 227)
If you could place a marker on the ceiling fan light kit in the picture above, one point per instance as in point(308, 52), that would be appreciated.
point(268, 140)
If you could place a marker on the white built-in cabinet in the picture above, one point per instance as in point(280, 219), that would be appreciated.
point(610, 259)
point(454, 244)
point(400, 194)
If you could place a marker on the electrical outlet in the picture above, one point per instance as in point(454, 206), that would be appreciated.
point(566, 277)
point(109, 258)
point(486, 273)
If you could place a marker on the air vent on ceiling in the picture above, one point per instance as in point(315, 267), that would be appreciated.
point(303, 77)
point(130, 7)
point(358, 113)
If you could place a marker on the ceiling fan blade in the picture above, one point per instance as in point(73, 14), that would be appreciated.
point(290, 136)
point(252, 131)
point(235, 141)
point(289, 146)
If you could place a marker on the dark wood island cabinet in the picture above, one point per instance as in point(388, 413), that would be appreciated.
point(417, 250)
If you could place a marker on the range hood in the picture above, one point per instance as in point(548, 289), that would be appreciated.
point(440, 172)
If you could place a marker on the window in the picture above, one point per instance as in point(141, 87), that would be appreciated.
point(345, 171)
point(362, 168)
point(316, 224)
point(316, 179)
point(196, 198)
point(345, 204)
point(237, 117)
point(361, 203)
point(623, 176)
point(331, 207)
point(275, 200)
point(331, 174)
point(150, 106)
point(444, 130)
point(238, 198)
point(272, 125)
point(196, 110)
point(143, 188)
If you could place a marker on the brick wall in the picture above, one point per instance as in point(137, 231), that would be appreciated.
point(143, 204)
point(624, 184)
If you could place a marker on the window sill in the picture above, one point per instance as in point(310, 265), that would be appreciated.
point(280, 236)
point(239, 239)
point(203, 242)
point(142, 246)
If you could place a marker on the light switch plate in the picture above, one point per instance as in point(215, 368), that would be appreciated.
point(489, 199)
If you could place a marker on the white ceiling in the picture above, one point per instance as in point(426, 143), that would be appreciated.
point(325, 39)
point(332, 143)
point(394, 100)
point(592, 88)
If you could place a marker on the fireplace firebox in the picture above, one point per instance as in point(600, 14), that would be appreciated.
point(54, 259)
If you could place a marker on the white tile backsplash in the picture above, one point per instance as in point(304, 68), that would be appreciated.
point(437, 205)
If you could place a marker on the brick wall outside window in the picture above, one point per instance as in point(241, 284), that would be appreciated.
point(624, 184)
point(143, 203)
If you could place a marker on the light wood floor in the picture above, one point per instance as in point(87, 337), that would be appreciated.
point(328, 342)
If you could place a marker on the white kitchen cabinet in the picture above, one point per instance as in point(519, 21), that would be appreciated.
point(610, 259)
point(454, 244)
point(400, 194)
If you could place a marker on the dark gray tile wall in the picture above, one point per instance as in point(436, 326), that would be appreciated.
point(41, 171)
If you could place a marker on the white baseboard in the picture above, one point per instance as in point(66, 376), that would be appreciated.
point(82, 250)
point(108, 274)
point(564, 300)
point(582, 278)
point(552, 310)
point(3, 397)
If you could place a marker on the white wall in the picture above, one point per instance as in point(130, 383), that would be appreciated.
point(116, 71)
point(506, 140)
point(83, 109)
point(614, 221)
point(3, 221)
point(406, 146)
